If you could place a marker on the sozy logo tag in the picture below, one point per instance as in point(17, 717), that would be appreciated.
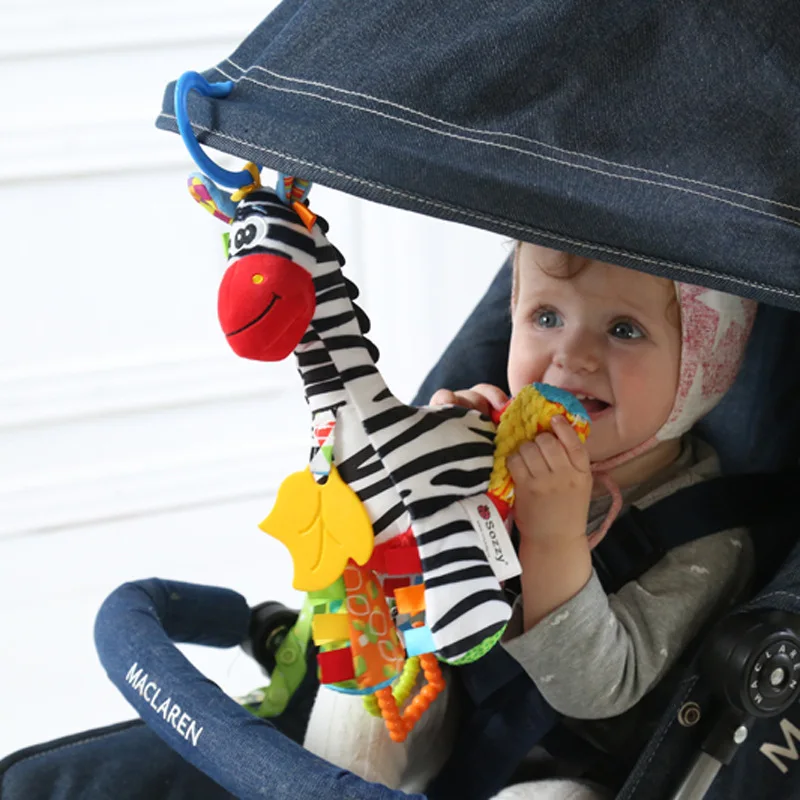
point(495, 540)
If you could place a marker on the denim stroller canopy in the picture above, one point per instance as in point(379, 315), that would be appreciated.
point(660, 136)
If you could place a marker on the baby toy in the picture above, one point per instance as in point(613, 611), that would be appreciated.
point(522, 419)
point(396, 526)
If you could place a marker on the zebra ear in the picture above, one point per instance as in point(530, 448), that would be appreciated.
point(213, 199)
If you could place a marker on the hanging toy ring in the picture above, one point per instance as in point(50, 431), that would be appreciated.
point(187, 82)
point(292, 191)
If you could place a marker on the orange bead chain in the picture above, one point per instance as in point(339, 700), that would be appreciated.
point(391, 714)
point(400, 725)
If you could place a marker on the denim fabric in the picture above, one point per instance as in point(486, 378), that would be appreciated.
point(247, 756)
point(120, 762)
point(479, 351)
point(662, 136)
point(673, 748)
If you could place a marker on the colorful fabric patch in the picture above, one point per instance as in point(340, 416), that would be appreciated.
point(419, 641)
point(330, 628)
point(410, 599)
point(391, 585)
point(403, 541)
point(403, 561)
point(211, 198)
point(336, 665)
point(377, 652)
point(323, 428)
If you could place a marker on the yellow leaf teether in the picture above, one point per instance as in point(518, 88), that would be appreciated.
point(322, 526)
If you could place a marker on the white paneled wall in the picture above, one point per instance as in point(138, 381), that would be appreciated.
point(132, 441)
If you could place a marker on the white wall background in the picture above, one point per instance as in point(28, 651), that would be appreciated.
point(133, 443)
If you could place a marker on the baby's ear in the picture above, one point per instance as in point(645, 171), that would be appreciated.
point(213, 199)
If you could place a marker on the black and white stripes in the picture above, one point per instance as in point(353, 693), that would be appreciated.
point(411, 467)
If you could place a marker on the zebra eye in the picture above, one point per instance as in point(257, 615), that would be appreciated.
point(247, 233)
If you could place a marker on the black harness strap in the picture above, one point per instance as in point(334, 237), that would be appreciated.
point(640, 538)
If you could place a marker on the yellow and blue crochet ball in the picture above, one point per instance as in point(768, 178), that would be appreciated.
point(525, 417)
point(562, 397)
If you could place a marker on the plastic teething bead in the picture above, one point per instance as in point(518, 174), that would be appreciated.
point(371, 705)
point(411, 716)
point(429, 692)
point(391, 716)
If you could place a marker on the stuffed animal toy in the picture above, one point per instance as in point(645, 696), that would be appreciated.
point(396, 527)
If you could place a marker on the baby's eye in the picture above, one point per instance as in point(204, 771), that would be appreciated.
point(547, 318)
point(626, 330)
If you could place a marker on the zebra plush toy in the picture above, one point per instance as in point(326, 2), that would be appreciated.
point(391, 529)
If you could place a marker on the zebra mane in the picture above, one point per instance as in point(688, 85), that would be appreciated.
point(353, 292)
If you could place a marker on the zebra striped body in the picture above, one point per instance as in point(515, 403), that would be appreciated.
point(410, 466)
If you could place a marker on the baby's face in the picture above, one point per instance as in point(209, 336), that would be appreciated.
point(607, 334)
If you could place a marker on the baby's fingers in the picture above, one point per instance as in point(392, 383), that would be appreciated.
point(443, 397)
point(525, 463)
point(466, 399)
point(494, 395)
point(576, 450)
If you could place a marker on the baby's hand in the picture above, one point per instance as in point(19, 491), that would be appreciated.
point(483, 397)
point(552, 485)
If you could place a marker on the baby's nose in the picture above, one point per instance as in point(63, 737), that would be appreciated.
point(579, 353)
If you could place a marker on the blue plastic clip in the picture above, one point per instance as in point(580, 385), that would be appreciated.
point(187, 82)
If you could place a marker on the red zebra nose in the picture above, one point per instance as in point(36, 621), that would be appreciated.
point(265, 305)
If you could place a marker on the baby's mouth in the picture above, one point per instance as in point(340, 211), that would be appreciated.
point(592, 405)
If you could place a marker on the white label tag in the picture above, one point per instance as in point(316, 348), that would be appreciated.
point(494, 537)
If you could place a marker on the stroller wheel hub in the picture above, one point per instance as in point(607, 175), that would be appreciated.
point(778, 676)
point(772, 679)
point(754, 661)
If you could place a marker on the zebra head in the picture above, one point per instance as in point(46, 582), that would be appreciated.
point(266, 297)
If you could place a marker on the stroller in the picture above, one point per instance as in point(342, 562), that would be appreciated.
point(683, 173)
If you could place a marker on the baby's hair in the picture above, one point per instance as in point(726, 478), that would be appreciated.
point(570, 265)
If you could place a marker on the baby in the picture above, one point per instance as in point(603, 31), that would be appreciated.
point(648, 358)
point(612, 337)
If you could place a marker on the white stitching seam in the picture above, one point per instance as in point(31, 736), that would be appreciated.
point(102, 734)
point(537, 142)
point(494, 221)
point(519, 150)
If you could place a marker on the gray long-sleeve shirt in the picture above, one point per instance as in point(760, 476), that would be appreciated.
point(597, 655)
